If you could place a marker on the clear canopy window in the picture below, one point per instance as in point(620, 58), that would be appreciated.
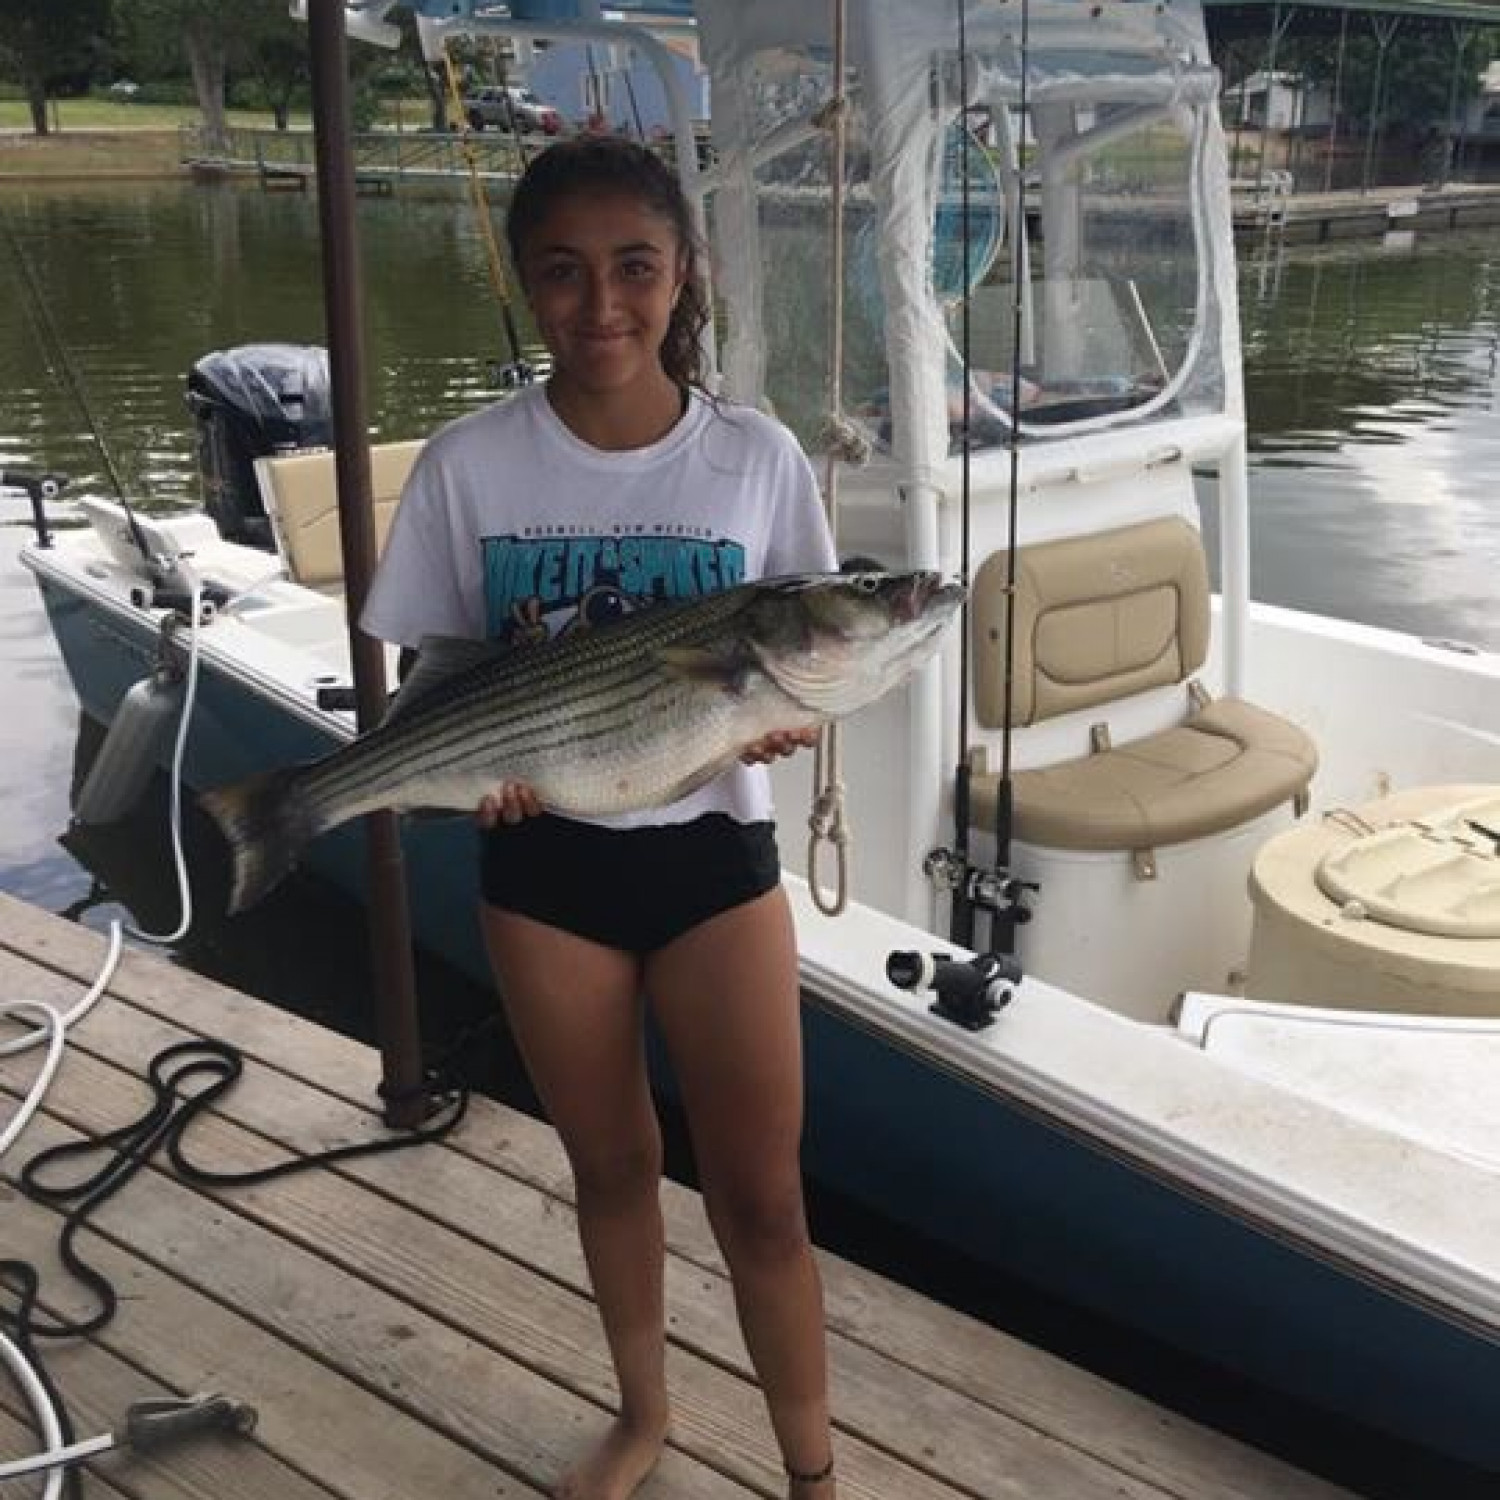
point(1035, 222)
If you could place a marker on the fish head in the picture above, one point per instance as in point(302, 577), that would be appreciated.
point(835, 642)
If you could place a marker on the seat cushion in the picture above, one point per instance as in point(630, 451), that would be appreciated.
point(1224, 766)
point(300, 493)
point(1097, 618)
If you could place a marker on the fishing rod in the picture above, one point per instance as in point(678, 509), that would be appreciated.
point(961, 917)
point(60, 365)
point(1008, 913)
point(518, 370)
point(995, 891)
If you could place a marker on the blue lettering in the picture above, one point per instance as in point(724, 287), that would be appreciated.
point(549, 572)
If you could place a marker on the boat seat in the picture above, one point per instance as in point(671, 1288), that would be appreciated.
point(301, 498)
point(1097, 619)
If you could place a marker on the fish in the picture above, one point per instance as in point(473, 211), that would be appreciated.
point(627, 715)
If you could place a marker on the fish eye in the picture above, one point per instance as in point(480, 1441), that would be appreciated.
point(868, 583)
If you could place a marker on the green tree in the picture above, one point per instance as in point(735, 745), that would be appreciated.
point(280, 61)
point(215, 36)
point(43, 43)
point(1428, 68)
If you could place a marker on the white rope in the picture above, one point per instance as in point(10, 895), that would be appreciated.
point(49, 1026)
point(842, 442)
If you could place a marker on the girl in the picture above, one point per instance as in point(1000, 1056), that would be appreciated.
point(617, 484)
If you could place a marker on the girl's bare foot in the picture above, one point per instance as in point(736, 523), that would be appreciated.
point(618, 1465)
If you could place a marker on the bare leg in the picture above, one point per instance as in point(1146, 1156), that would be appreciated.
point(727, 999)
point(575, 1011)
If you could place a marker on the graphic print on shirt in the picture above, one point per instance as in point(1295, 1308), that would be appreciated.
point(552, 579)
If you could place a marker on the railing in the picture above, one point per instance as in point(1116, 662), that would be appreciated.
point(377, 154)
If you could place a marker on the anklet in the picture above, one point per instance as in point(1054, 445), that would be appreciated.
point(800, 1476)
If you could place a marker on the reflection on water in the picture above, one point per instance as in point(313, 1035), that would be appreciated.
point(1372, 380)
point(1371, 373)
point(140, 282)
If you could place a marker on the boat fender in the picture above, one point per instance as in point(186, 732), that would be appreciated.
point(970, 992)
point(133, 748)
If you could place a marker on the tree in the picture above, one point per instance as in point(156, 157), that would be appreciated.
point(215, 36)
point(1428, 68)
point(43, 43)
point(281, 62)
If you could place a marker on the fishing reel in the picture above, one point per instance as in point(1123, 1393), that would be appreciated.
point(970, 992)
point(988, 889)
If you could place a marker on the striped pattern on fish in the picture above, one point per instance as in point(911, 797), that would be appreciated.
point(628, 715)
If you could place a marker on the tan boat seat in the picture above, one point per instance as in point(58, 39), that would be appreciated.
point(1097, 619)
point(302, 501)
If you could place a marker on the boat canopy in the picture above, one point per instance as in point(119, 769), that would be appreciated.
point(1080, 165)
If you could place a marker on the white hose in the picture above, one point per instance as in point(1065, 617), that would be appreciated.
point(50, 1026)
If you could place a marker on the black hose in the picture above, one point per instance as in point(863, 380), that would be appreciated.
point(186, 1080)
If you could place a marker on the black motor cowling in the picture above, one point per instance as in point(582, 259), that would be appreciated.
point(248, 402)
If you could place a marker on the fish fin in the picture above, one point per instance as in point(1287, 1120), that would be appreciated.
point(267, 822)
point(725, 669)
point(440, 659)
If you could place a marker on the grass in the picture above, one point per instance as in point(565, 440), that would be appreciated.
point(108, 115)
point(102, 137)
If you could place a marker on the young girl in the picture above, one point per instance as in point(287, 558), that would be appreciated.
point(617, 484)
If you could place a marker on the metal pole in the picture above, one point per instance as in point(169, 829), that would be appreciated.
point(1385, 34)
point(389, 922)
point(1270, 72)
point(1239, 114)
point(1337, 102)
point(1462, 36)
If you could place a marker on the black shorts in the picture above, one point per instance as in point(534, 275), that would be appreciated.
point(635, 889)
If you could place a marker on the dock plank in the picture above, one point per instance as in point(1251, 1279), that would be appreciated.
point(100, 1387)
point(526, 1424)
point(313, 1417)
point(554, 1332)
point(914, 1384)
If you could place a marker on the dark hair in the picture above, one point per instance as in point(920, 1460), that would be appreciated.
point(608, 163)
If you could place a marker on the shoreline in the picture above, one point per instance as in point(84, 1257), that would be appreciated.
point(164, 154)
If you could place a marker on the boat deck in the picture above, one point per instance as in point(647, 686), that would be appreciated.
point(418, 1323)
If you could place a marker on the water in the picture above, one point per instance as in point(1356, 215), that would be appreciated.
point(1372, 381)
point(1373, 390)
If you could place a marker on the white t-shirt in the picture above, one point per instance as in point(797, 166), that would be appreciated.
point(511, 527)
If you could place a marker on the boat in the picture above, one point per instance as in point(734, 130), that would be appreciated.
point(1150, 940)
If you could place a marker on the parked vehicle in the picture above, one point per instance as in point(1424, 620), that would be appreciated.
point(511, 108)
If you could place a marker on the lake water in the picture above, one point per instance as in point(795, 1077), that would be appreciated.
point(1373, 383)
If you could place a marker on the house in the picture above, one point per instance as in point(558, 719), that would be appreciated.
point(1282, 101)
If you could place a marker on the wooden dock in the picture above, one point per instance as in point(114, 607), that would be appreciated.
point(1317, 218)
point(417, 1325)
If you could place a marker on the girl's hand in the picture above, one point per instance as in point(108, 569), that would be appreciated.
point(778, 743)
point(508, 803)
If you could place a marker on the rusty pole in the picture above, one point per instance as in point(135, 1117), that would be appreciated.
point(389, 920)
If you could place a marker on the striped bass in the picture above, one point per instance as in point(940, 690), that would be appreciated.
point(628, 715)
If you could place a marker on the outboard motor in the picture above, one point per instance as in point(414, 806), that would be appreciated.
point(251, 401)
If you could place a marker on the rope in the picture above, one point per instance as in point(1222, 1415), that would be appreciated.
point(186, 1081)
point(842, 443)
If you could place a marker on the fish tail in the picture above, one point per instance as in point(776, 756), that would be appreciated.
point(267, 821)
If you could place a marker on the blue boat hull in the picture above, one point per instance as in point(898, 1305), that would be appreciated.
point(960, 1164)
